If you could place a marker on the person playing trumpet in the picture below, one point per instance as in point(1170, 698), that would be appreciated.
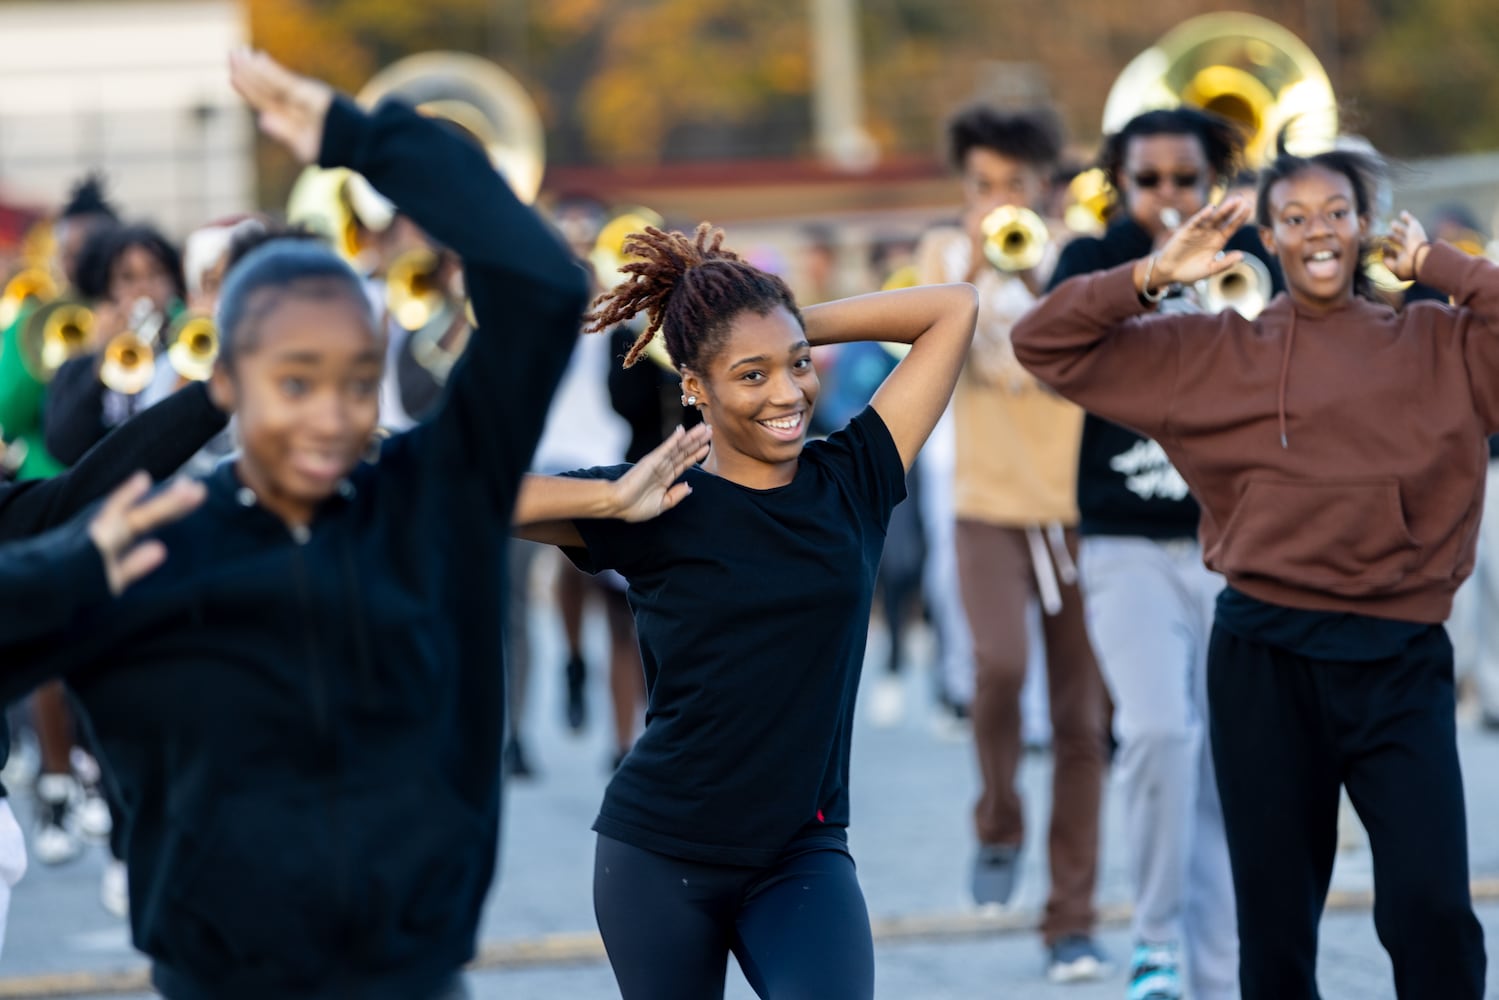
point(1016, 514)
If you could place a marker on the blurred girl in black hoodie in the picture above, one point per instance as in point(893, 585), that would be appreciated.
point(303, 708)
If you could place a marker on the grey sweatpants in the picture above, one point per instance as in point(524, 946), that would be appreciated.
point(1149, 607)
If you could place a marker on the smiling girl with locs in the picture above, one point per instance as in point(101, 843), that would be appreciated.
point(1338, 449)
point(724, 829)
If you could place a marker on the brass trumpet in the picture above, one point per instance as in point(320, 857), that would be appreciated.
point(413, 291)
point(1244, 288)
point(31, 285)
point(1015, 239)
point(1378, 271)
point(129, 361)
point(54, 333)
point(192, 347)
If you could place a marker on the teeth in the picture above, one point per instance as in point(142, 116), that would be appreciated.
point(784, 423)
point(1323, 255)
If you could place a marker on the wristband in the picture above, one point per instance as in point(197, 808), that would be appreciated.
point(1145, 294)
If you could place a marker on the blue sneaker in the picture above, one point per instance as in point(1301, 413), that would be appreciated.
point(1154, 973)
point(1076, 958)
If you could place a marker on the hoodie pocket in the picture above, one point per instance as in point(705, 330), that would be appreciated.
point(1346, 537)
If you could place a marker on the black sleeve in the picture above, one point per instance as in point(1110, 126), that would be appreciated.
point(865, 455)
point(157, 440)
point(528, 293)
point(74, 420)
point(45, 582)
point(626, 546)
point(1082, 256)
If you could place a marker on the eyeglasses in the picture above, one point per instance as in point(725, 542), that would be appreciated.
point(1149, 180)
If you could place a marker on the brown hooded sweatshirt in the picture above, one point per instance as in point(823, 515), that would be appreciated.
point(1339, 458)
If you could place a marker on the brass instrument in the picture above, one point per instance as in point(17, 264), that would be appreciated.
point(129, 361)
point(192, 347)
point(413, 291)
point(1245, 288)
point(1241, 67)
point(30, 285)
point(1015, 239)
point(608, 255)
point(54, 333)
point(1378, 271)
point(473, 94)
point(1088, 203)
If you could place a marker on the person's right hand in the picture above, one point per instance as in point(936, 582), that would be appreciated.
point(117, 528)
point(1195, 249)
point(289, 108)
point(650, 488)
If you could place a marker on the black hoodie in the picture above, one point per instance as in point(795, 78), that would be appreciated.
point(305, 726)
point(158, 440)
point(1125, 483)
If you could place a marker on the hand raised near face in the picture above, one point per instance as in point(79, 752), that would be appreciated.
point(124, 518)
point(289, 108)
point(1195, 250)
point(650, 488)
point(1406, 247)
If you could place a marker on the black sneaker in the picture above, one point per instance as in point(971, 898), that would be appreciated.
point(577, 708)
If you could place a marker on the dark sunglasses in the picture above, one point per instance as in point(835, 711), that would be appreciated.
point(1149, 180)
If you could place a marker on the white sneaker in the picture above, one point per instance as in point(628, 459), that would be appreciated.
point(114, 889)
point(887, 702)
point(54, 841)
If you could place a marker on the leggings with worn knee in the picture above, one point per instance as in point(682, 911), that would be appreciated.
point(798, 927)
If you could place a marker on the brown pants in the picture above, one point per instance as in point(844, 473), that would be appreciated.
point(998, 581)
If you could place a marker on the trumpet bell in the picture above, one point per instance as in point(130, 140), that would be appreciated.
point(413, 292)
point(1242, 67)
point(1379, 272)
point(1244, 288)
point(608, 255)
point(1088, 203)
point(129, 364)
point(28, 286)
point(320, 200)
point(1015, 239)
point(53, 334)
point(193, 348)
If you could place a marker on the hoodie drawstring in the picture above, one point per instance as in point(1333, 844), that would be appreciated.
point(1049, 566)
point(1285, 375)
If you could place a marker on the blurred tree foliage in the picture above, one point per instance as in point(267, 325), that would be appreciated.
point(639, 81)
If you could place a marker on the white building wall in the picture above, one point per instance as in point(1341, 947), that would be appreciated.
point(139, 90)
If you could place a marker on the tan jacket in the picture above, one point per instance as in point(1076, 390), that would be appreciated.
point(1017, 442)
point(1339, 459)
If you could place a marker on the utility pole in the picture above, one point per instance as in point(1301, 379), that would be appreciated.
point(837, 87)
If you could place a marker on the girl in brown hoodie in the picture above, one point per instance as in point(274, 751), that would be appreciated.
point(1338, 450)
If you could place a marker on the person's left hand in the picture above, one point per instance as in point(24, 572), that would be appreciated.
point(1405, 248)
point(127, 515)
point(289, 108)
point(650, 488)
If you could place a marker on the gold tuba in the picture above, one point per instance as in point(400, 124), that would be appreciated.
point(56, 332)
point(1015, 239)
point(1240, 67)
point(1244, 288)
point(193, 346)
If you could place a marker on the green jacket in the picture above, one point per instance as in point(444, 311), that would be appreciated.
point(21, 402)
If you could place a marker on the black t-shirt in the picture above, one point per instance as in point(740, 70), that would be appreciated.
point(752, 608)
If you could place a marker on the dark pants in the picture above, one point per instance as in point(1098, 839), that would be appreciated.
point(1287, 732)
point(799, 928)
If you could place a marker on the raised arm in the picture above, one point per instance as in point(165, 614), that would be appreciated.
point(1092, 341)
point(547, 506)
point(936, 320)
point(527, 290)
point(157, 440)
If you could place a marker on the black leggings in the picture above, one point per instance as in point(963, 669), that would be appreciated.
point(799, 927)
point(1287, 731)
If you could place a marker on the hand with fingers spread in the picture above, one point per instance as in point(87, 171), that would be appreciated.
point(651, 488)
point(289, 108)
point(125, 517)
point(1195, 250)
point(1406, 247)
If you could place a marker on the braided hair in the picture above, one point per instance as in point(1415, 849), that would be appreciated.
point(690, 289)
